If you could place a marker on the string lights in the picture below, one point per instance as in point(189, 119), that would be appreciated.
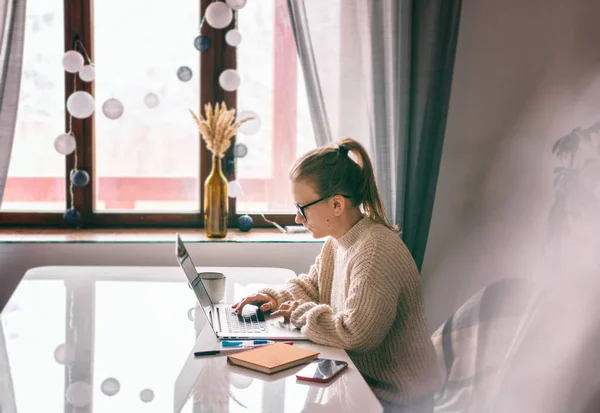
point(81, 104)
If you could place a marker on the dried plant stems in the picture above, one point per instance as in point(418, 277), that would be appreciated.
point(217, 127)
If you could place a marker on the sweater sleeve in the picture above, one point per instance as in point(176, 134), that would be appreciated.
point(370, 306)
point(304, 288)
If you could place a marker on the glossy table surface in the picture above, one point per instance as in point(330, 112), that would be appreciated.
point(121, 339)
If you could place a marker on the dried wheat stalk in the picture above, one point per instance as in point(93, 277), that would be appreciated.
point(218, 127)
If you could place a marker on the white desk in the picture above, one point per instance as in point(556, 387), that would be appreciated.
point(119, 339)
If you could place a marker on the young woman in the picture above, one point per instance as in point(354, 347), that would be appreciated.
point(363, 292)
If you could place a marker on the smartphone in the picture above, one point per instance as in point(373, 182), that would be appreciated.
point(321, 370)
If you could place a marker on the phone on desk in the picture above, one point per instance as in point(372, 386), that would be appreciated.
point(322, 370)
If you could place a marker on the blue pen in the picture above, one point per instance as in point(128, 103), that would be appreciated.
point(226, 343)
point(237, 349)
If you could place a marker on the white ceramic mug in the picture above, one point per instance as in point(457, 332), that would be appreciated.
point(214, 282)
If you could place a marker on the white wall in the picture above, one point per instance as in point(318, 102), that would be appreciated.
point(527, 73)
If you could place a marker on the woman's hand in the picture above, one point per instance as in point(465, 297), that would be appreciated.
point(286, 309)
point(266, 302)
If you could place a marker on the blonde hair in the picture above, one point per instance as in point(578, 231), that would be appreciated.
point(331, 171)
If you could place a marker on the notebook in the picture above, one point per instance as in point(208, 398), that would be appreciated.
point(273, 358)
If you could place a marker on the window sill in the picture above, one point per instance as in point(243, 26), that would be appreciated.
point(83, 236)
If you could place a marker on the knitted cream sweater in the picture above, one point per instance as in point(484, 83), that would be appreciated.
point(363, 294)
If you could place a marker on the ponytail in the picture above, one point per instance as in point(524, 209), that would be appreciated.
point(371, 201)
point(343, 169)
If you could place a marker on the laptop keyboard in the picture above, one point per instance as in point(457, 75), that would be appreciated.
point(250, 321)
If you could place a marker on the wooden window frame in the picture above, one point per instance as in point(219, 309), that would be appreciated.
point(78, 20)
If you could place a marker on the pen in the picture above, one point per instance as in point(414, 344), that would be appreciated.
point(227, 343)
point(216, 352)
point(225, 351)
point(233, 350)
point(207, 353)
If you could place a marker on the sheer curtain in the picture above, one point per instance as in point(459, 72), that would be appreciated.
point(12, 30)
point(306, 56)
point(380, 72)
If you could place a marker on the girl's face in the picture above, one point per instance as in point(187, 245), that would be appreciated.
point(317, 214)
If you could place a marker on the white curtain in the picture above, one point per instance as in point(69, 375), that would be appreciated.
point(380, 72)
point(349, 55)
point(306, 56)
point(12, 31)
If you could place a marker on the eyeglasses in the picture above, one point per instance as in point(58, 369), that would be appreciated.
point(301, 208)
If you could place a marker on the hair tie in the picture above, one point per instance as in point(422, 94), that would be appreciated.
point(342, 150)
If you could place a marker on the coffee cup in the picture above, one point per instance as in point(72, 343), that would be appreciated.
point(214, 282)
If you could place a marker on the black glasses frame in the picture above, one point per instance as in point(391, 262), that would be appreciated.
point(301, 208)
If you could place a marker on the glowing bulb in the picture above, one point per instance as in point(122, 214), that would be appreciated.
point(113, 108)
point(65, 144)
point(87, 73)
point(249, 127)
point(72, 61)
point(229, 79)
point(233, 37)
point(236, 4)
point(81, 104)
point(234, 189)
point(218, 15)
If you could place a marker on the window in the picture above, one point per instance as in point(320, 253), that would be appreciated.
point(147, 160)
point(148, 166)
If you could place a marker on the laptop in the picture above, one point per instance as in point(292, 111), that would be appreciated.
point(251, 324)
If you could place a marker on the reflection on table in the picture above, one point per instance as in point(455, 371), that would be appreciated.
point(82, 339)
point(208, 384)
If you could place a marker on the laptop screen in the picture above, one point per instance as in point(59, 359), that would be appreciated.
point(194, 280)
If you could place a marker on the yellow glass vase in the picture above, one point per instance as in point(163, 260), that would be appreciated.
point(216, 204)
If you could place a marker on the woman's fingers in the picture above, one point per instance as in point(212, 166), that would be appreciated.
point(288, 304)
point(244, 301)
point(284, 313)
point(251, 299)
point(270, 305)
point(238, 307)
point(286, 309)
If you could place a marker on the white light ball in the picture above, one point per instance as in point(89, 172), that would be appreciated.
point(218, 15)
point(151, 100)
point(249, 127)
point(64, 354)
point(81, 105)
point(64, 145)
point(229, 79)
point(87, 73)
point(72, 61)
point(235, 4)
point(79, 394)
point(110, 386)
point(113, 108)
point(234, 189)
point(233, 37)
point(147, 395)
